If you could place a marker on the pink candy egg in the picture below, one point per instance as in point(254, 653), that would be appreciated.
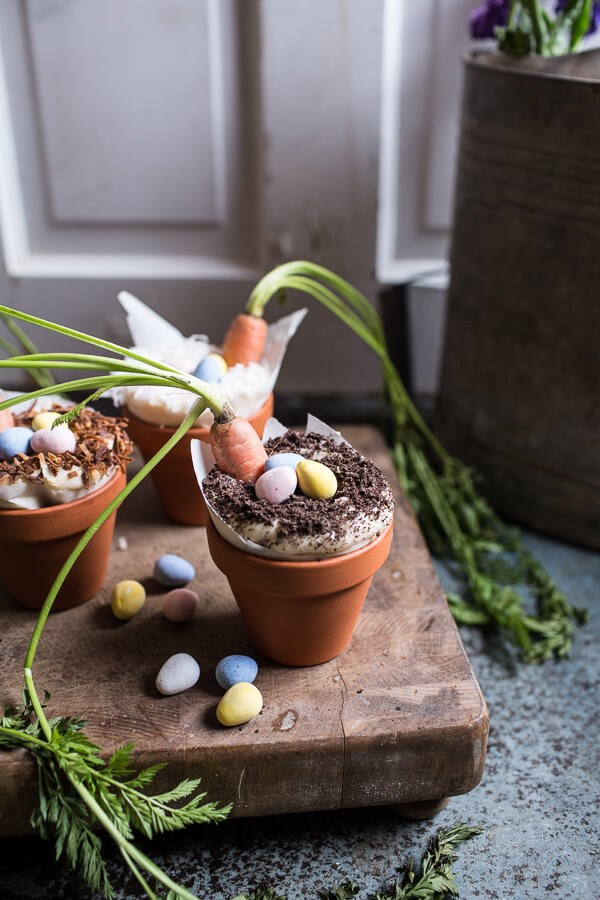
point(180, 604)
point(53, 440)
point(276, 485)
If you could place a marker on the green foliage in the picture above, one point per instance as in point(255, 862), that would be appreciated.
point(532, 29)
point(71, 770)
point(345, 891)
point(435, 881)
point(42, 376)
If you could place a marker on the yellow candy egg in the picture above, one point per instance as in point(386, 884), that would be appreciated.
point(239, 704)
point(316, 480)
point(44, 420)
point(128, 597)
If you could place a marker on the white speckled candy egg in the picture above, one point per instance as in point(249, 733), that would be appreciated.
point(173, 571)
point(239, 704)
point(53, 440)
point(179, 673)
point(14, 441)
point(44, 419)
point(180, 604)
point(283, 459)
point(232, 669)
point(276, 485)
point(316, 480)
point(211, 368)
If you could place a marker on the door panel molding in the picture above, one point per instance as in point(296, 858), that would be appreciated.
point(95, 188)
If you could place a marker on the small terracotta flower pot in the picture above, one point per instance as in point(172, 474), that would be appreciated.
point(34, 543)
point(174, 477)
point(299, 613)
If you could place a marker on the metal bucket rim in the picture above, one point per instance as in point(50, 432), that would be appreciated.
point(504, 64)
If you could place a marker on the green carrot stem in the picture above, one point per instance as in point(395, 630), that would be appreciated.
point(125, 845)
point(75, 360)
point(344, 301)
point(82, 336)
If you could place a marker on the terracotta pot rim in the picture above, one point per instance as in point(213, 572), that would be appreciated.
point(301, 578)
point(300, 613)
point(57, 508)
point(194, 432)
point(329, 562)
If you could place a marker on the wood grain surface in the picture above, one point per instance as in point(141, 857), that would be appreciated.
point(397, 718)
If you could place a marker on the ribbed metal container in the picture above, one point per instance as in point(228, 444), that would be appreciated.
point(520, 386)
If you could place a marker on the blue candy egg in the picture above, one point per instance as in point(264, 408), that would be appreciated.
point(13, 441)
point(173, 571)
point(283, 459)
point(211, 368)
point(233, 669)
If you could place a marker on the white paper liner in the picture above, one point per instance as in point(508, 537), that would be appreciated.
point(245, 387)
point(203, 461)
point(54, 489)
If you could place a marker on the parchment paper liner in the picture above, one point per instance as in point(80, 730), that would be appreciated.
point(155, 337)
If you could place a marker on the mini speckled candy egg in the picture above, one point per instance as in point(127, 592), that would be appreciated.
point(53, 440)
point(211, 368)
point(283, 459)
point(13, 441)
point(179, 673)
point(173, 571)
point(276, 485)
point(239, 704)
point(180, 604)
point(44, 419)
point(316, 480)
point(232, 669)
point(128, 597)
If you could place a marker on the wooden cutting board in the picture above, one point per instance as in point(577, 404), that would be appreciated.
point(397, 718)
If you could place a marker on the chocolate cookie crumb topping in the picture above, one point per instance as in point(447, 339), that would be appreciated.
point(363, 496)
point(102, 444)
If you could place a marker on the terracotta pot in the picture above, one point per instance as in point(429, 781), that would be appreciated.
point(299, 613)
point(174, 476)
point(34, 543)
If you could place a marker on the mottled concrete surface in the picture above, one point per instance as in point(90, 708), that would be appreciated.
point(537, 803)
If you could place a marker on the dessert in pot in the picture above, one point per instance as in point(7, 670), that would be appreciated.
point(44, 464)
point(312, 514)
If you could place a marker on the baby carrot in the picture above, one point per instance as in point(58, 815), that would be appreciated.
point(245, 340)
point(237, 448)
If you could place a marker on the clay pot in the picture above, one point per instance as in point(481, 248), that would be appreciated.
point(299, 613)
point(34, 543)
point(174, 477)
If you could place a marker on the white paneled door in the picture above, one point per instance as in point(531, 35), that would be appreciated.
point(177, 149)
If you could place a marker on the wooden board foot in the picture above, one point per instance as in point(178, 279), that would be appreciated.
point(422, 809)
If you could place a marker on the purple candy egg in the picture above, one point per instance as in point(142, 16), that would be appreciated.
point(53, 440)
point(276, 485)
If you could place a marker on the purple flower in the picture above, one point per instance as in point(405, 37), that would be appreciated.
point(594, 17)
point(484, 19)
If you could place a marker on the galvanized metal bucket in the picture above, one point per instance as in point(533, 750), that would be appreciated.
point(520, 386)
